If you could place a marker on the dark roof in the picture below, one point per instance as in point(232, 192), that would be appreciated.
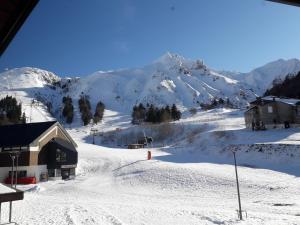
point(22, 134)
point(288, 2)
point(13, 13)
point(261, 101)
point(251, 108)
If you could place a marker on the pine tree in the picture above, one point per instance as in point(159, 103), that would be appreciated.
point(165, 115)
point(85, 109)
point(221, 101)
point(99, 112)
point(134, 115)
point(138, 114)
point(151, 114)
point(23, 118)
point(142, 112)
point(175, 113)
point(10, 110)
point(68, 110)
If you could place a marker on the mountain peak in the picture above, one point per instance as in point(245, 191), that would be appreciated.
point(169, 57)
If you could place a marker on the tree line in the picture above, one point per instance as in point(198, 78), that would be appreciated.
point(288, 88)
point(154, 114)
point(215, 103)
point(84, 108)
point(11, 111)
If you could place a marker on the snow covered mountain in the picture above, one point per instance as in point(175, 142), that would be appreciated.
point(169, 79)
point(263, 77)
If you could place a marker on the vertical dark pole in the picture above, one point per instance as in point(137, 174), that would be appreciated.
point(17, 162)
point(238, 188)
point(12, 181)
point(12, 170)
point(93, 138)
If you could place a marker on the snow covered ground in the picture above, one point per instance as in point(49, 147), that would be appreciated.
point(4, 189)
point(190, 179)
point(186, 185)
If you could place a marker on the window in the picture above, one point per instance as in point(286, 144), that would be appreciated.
point(270, 109)
point(58, 173)
point(23, 148)
point(21, 173)
point(51, 173)
point(72, 171)
point(60, 156)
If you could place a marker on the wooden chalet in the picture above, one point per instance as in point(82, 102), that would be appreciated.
point(41, 151)
point(273, 112)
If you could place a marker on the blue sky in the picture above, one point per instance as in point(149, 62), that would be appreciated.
point(78, 37)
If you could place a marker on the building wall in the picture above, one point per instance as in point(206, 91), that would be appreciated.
point(248, 118)
point(47, 137)
point(55, 132)
point(32, 171)
point(280, 113)
point(266, 116)
point(31, 160)
point(286, 112)
point(6, 161)
point(297, 114)
point(251, 116)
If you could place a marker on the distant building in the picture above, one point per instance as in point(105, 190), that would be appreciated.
point(272, 112)
point(45, 149)
point(135, 146)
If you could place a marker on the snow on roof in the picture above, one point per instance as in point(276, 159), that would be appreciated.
point(251, 108)
point(4, 189)
point(291, 101)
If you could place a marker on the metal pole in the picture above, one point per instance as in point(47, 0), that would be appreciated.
point(12, 180)
point(17, 162)
point(12, 169)
point(238, 188)
point(10, 210)
point(93, 133)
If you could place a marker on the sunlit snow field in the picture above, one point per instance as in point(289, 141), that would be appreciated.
point(178, 186)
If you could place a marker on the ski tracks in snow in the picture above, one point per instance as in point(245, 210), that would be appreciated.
point(90, 215)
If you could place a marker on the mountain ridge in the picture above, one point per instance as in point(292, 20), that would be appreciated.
point(169, 79)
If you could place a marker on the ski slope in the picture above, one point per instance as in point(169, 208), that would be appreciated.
point(190, 179)
point(120, 187)
point(183, 184)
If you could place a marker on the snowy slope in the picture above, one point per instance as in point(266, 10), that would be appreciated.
point(169, 79)
point(117, 186)
point(191, 178)
point(261, 79)
point(28, 84)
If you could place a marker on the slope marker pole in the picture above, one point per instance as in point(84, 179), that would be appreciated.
point(238, 187)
